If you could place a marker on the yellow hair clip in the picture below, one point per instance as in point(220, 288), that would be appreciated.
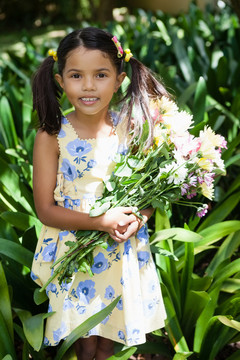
point(53, 53)
point(128, 55)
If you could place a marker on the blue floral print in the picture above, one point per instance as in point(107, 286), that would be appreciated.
point(119, 305)
point(142, 234)
point(33, 276)
point(86, 291)
point(121, 335)
point(58, 334)
point(79, 149)
point(143, 257)
point(109, 293)
point(49, 252)
point(62, 234)
point(52, 288)
point(61, 133)
point(68, 170)
point(100, 264)
point(67, 304)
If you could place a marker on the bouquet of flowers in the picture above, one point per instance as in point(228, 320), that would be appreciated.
point(176, 167)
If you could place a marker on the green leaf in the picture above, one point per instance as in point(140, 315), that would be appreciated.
point(178, 234)
point(97, 211)
point(33, 327)
point(229, 322)
point(16, 252)
point(39, 296)
point(12, 183)
point(5, 304)
point(7, 126)
point(85, 327)
point(21, 221)
point(191, 313)
point(124, 354)
point(217, 231)
point(6, 344)
point(199, 101)
point(182, 356)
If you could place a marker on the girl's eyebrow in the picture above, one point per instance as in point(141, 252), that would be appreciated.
point(97, 70)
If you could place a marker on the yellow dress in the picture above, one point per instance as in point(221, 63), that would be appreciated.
point(125, 269)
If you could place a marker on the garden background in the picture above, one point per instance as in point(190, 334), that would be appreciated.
point(197, 54)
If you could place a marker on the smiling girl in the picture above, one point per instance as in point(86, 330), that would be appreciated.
point(73, 155)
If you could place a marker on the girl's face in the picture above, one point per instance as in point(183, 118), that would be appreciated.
point(89, 80)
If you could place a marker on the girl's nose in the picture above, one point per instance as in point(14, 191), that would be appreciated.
point(89, 84)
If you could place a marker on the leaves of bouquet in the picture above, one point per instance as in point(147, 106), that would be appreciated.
point(98, 209)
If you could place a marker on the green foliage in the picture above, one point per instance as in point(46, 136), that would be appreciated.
point(197, 55)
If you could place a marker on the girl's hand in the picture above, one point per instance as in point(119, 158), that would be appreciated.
point(134, 226)
point(117, 219)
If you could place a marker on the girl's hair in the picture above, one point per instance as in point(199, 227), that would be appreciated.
point(142, 88)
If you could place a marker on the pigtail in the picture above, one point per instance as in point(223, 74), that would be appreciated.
point(46, 94)
point(143, 88)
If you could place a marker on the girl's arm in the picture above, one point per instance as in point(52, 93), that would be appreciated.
point(45, 164)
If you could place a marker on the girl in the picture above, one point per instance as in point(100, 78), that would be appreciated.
point(72, 157)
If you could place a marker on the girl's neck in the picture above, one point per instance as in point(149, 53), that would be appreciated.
point(92, 126)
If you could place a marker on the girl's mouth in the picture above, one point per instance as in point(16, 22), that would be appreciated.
point(89, 100)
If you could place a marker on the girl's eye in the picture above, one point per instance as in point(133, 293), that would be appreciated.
point(76, 76)
point(101, 75)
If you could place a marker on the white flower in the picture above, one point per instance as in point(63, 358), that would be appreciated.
point(178, 122)
point(176, 173)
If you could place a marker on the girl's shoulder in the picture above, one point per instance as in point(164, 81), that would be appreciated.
point(45, 141)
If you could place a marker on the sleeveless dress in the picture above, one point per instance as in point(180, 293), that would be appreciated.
point(125, 269)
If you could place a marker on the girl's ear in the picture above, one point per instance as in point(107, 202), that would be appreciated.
point(119, 81)
point(59, 79)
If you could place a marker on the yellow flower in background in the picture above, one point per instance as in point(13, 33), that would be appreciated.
point(205, 164)
point(207, 191)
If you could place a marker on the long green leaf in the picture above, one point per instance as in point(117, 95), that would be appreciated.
point(225, 251)
point(7, 126)
point(221, 212)
point(225, 273)
point(6, 343)
point(204, 318)
point(172, 326)
point(186, 276)
point(20, 220)
point(195, 303)
point(32, 327)
point(11, 181)
point(217, 231)
point(16, 252)
point(85, 327)
point(124, 354)
point(178, 234)
point(5, 303)
point(199, 101)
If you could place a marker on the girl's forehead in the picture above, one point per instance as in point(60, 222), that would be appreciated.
point(84, 57)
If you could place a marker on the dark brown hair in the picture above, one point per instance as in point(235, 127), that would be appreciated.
point(143, 85)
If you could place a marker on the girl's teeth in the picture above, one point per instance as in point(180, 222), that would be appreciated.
point(89, 99)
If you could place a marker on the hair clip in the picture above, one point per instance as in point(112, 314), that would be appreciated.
point(53, 53)
point(118, 46)
point(128, 55)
